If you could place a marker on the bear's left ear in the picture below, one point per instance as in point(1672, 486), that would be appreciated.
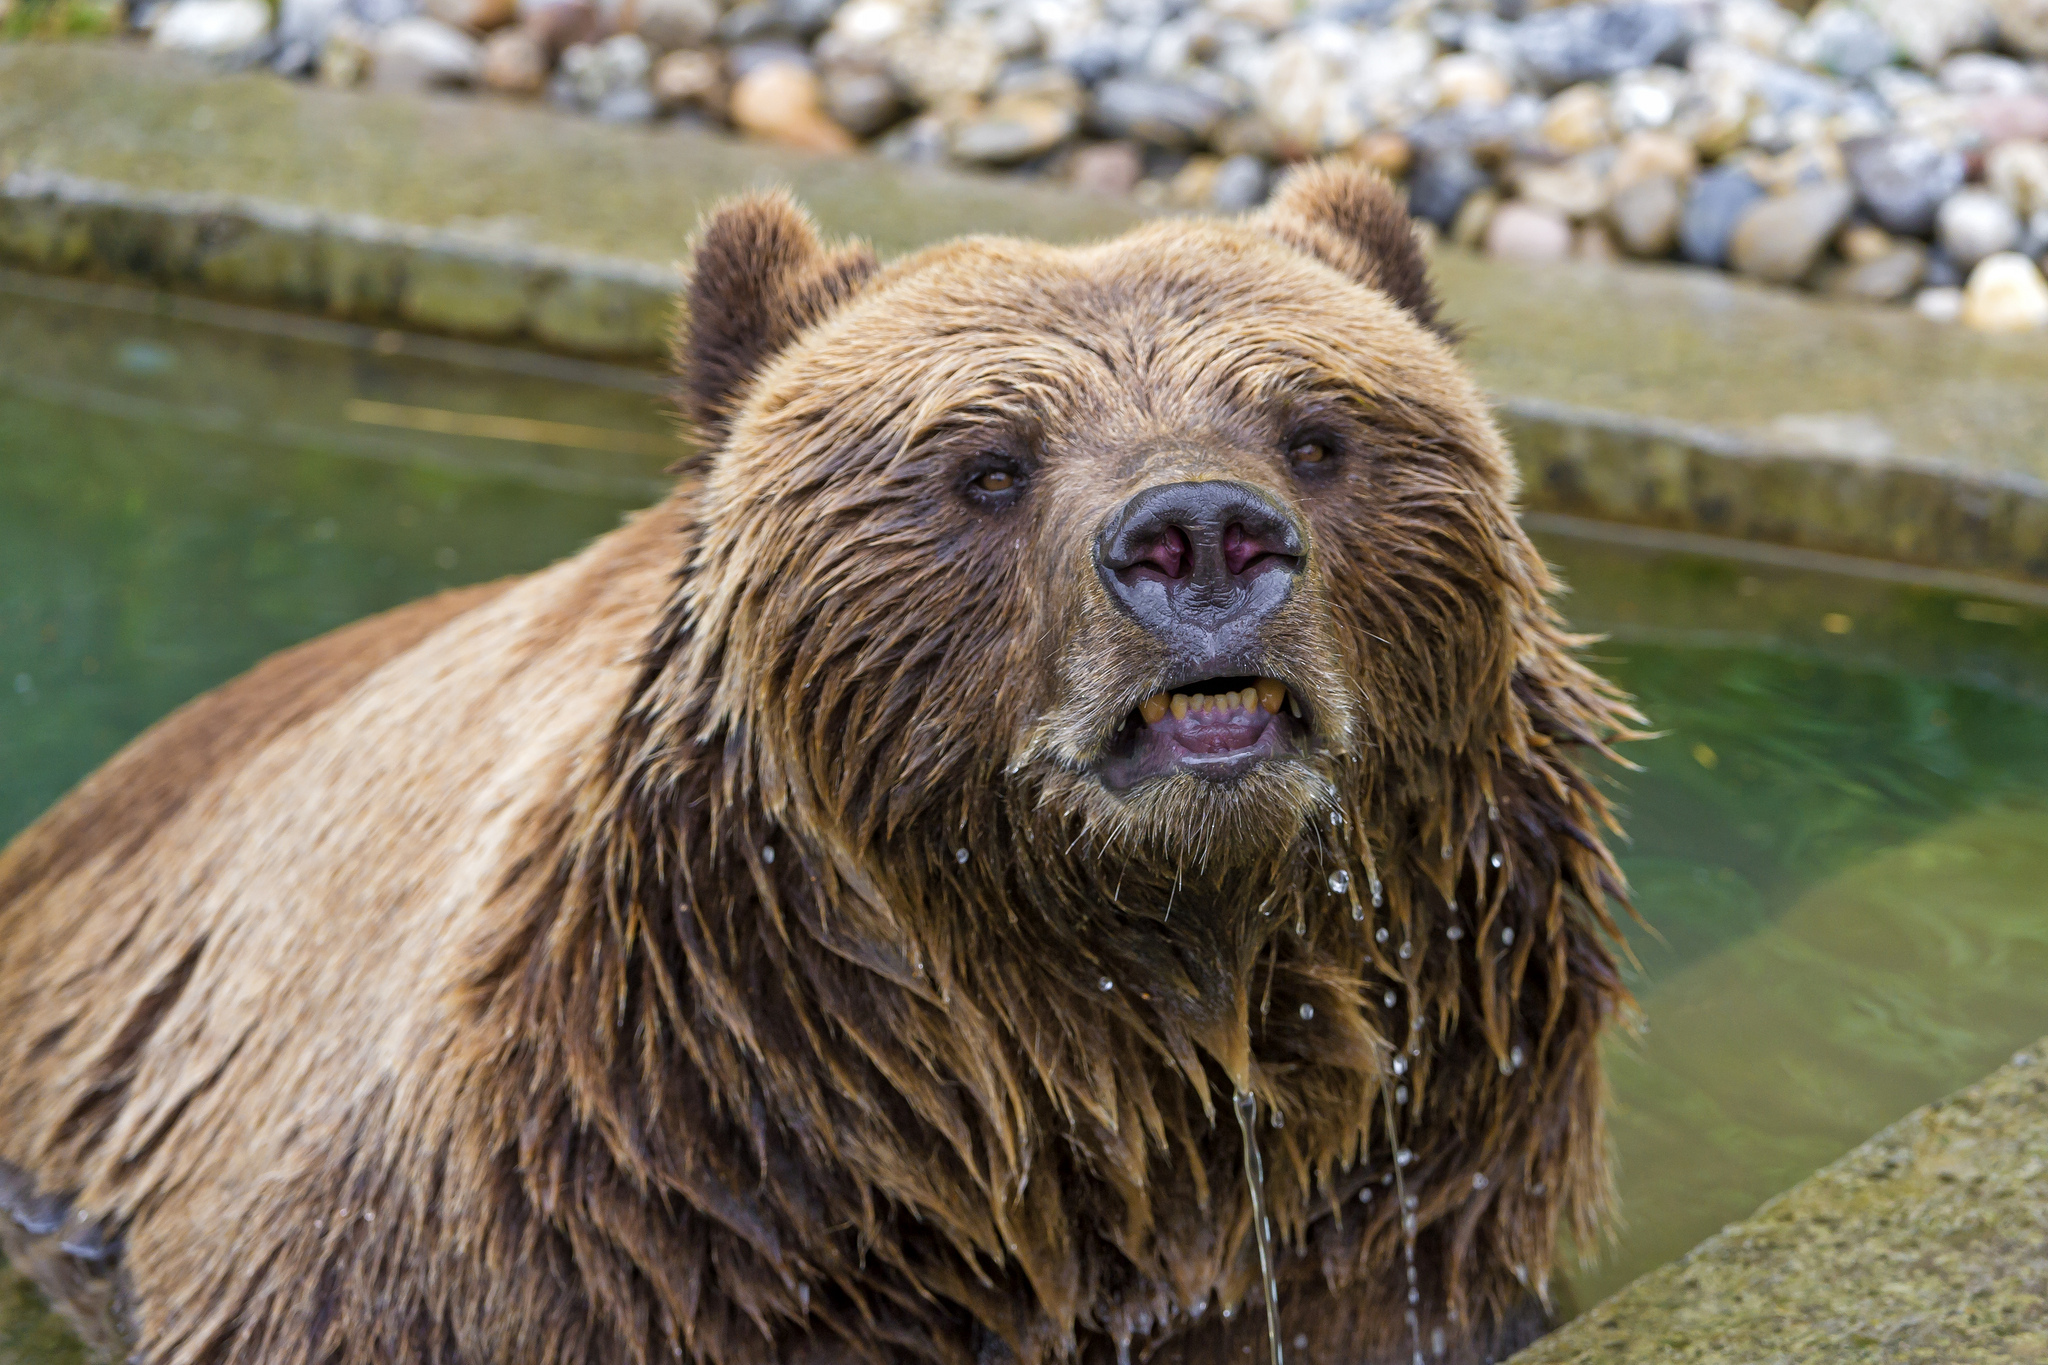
point(1351, 219)
point(758, 277)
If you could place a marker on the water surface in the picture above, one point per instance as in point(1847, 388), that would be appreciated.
point(1840, 837)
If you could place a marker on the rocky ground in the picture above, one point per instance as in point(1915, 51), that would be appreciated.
point(1888, 150)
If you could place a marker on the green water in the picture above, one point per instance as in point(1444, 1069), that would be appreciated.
point(1840, 839)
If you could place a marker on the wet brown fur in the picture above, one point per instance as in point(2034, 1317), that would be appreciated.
point(585, 968)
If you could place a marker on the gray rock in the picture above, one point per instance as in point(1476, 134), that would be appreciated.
point(1240, 184)
point(666, 25)
point(420, 54)
point(1591, 42)
point(1842, 40)
point(1161, 113)
point(1718, 201)
point(1903, 179)
point(1941, 272)
point(1780, 239)
point(1013, 128)
point(1646, 216)
point(1973, 224)
point(597, 76)
point(212, 28)
point(1891, 276)
point(862, 102)
point(1441, 183)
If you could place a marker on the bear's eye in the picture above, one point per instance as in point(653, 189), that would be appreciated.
point(993, 481)
point(996, 481)
point(1308, 452)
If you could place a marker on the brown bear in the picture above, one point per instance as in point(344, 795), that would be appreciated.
point(1079, 698)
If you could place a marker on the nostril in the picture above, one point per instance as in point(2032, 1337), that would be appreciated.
point(1169, 554)
point(1242, 550)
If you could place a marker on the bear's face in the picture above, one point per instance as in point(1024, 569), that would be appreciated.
point(1172, 535)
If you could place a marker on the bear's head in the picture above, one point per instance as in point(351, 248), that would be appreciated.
point(1165, 539)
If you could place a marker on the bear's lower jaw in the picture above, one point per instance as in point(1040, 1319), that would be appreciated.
point(1216, 745)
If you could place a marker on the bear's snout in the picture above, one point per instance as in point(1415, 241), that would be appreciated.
point(1190, 560)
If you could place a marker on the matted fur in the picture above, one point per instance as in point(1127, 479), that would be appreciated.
point(715, 946)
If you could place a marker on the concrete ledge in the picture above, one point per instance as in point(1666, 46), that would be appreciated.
point(344, 265)
point(1929, 1243)
point(1686, 476)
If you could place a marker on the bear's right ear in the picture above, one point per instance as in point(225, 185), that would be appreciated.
point(1353, 220)
point(758, 277)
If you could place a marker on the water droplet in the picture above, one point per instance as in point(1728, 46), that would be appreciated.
point(1436, 1340)
point(1377, 895)
point(803, 1296)
point(1300, 925)
point(1336, 818)
point(1492, 810)
point(1407, 950)
point(1447, 852)
point(1400, 1066)
point(1507, 935)
point(1105, 984)
point(768, 853)
point(1340, 882)
point(1515, 1056)
point(1365, 1195)
point(1381, 935)
point(1308, 1011)
point(1400, 1094)
point(959, 855)
point(1537, 1189)
point(1391, 999)
point(1358, 913)
point(1276, 1119)
point(1411, 1203)
point(1403, 1157)
point(1494, 861)
point(1415, 1296)
point(1301, 1341)
point(1479, 1181)
point(1454, 933)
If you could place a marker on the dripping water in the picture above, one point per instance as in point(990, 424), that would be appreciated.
point(1407, 1211)
point(1247, 1106)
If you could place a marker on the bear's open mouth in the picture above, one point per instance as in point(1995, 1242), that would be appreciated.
point(1214, 728)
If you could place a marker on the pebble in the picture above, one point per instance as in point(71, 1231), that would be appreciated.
point(1646, 215)
point(1241, 183)
point(689, 80)
point(670, 25)
point(1843, 40)
point(1780, 238)
point(1014, 128)
point(861, 100)
point(1465, 78)
point(1111, 168)
point(1576, 120)
point(2018, 173)
point(1157, 112)
point(2023, 24)
point(421, 54)
point(1644, 155)
point(607, 77)
point(1903, 179)
point(1884, 278)
point(1574, 189)
point(1588, 42)
point(514, 63)
point(1939, 303)
point(1718, 201)
point(212, 28)
point(477, 16)
point(1974, 224)
point(781, 102)
point(1523, 232)
point(2005, 294)
point(1439, 185)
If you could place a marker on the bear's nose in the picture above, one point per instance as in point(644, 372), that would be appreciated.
point(1198, 554)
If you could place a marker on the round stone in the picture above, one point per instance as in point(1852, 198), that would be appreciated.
point(862, 100)
point(670, 25)
point(1577, 120)
point(1161, 113)
point(1240, 184)
point(689, 80)
point(1974, 224)
point(1903, 179)
point(1591, 42)
point(420, 53)
point(477, 16)
point(514, 63)
point(2005, 294)
point(1881, 279)
point(2023, 24)
point(2018, 173)
point(1013, 129)
point(1523, 232)
point(1780, 238)
point(1441, 183)
point(212, 28)
point(1719, 199)
point(1939, 303)
point(1111, 168)
point(780, 101)
point(1646, 215)
point(1464, 78)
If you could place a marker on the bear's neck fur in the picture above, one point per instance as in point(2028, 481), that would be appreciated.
point(818, 1083)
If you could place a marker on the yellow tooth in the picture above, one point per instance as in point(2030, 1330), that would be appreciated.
point(1179, 704)
point(1271, 693)
point(1249, 699)
point(1153, 707)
